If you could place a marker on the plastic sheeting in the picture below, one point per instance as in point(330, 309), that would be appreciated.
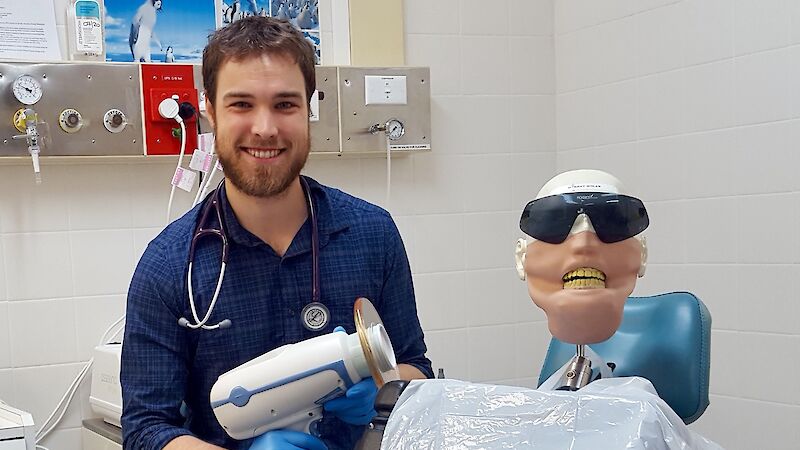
point(614, 413)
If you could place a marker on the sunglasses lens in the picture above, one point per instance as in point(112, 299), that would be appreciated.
point(547, 219)
point(618, 217)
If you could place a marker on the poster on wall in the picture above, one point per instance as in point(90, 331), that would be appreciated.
point(158, 30)
point(303, 14)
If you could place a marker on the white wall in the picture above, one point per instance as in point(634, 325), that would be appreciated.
point(70, 245)
point(696, 105)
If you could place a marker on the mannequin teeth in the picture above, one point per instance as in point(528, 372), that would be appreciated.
point(584, 278)
point(585, 283)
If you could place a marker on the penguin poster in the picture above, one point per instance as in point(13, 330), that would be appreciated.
point(158, 30)
point(303, 14)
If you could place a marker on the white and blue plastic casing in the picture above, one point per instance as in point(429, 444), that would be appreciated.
point(286, 388)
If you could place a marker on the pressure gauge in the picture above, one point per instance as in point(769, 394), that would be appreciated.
point(395, 129)
point(27, 90)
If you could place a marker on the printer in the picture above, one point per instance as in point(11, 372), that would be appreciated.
point(16, 429)
point(105, 398)
point(106, 392)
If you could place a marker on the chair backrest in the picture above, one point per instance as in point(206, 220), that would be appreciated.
point(664, 338)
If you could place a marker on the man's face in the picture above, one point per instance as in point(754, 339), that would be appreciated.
point(260, 119)
point(582, 284)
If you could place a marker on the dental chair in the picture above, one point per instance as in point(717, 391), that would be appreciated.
point(664, 338)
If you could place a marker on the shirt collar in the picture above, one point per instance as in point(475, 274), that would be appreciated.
point(329, 221)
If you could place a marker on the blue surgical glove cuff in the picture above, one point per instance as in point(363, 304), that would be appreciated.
point(357, 406)
point(287, 440)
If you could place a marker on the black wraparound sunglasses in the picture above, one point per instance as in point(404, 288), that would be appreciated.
point(615, 217)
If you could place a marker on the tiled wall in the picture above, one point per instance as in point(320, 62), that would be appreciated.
point(69, 246)
point(695, 104)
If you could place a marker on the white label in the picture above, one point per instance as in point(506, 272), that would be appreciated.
point(201, 104)
point(585, 187)
point(385, 90)
point(410, 147)
point(184, 179)
point(201, 161)
point(88, 29)
point(314, 113)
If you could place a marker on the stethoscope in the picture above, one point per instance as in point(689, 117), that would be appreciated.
point(315, 315)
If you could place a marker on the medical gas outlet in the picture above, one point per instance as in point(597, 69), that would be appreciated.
point(70, 120)
point(31, 137)
point(114, 120)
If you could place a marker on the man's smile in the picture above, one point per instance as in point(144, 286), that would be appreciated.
point(261, 153)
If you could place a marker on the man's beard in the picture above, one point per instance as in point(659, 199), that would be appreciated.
point(263, 181)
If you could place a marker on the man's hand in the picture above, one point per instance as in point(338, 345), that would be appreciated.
point(287, 440)
point(357, 406)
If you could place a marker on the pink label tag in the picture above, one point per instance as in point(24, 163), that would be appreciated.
point(206, 142)
point(201, 161)
point(184, 179)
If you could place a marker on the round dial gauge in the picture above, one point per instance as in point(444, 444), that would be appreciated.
point(27, 90)
point(395, 129)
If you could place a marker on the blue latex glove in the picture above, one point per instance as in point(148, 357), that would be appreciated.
point(357, 406)
point(287, 440)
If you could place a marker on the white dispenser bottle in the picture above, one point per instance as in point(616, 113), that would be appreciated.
point(85, 30)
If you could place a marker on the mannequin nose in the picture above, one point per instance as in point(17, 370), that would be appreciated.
point(585, 238)
point(582, 223)
point(584, 242)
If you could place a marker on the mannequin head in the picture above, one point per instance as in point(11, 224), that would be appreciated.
point(583, 253)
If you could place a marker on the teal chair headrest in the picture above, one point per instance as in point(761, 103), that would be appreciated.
point(665, 338)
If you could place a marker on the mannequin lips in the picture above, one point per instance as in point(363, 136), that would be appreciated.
point(584, 278)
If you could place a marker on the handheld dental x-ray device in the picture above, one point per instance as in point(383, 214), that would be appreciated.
point(286, 388)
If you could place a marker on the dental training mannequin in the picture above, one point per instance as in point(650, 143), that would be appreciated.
point(581, 278)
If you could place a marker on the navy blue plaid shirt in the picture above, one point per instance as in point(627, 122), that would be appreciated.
point(163, 364)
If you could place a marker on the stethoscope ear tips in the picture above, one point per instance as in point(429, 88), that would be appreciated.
point(225, 323)
point(183, 322)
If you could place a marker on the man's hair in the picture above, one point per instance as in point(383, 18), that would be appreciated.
point(252, 37)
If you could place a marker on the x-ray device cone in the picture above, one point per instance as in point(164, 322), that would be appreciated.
point(287, 387)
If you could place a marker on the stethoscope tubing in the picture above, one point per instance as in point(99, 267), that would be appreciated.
point(200, 232)
point(198, 323)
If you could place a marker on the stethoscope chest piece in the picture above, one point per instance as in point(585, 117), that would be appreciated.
point(315, 316)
